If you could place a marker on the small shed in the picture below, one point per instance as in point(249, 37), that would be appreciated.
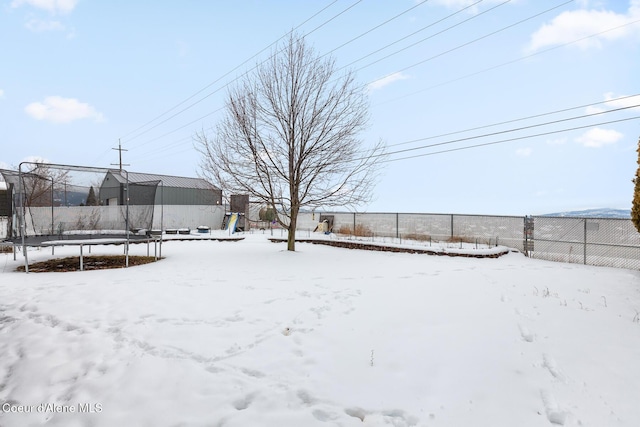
point(154, 189)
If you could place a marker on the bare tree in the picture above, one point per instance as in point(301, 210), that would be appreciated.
point(39, 184)
point(289, 137)
point(40, 181)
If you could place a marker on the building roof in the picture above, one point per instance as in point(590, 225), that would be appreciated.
point(167, 180)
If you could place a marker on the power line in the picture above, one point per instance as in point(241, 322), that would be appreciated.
point(471, 41)
point(496, 67)
point(315, 29)
point(334, 17)
point(509, 140)
point(227, 84)
point(220, 78)
point(168, 146)
point(499, 132)
point(564, 110)
point(435, 34)
point(378, 26)
point(179, 128)
point(522, 58)
point(324, 23)
point(416, 32)
point(511, 130)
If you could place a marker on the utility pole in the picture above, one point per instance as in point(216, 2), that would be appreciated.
point(120, 150)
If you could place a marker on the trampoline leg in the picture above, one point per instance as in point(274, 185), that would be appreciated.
point(81, 264)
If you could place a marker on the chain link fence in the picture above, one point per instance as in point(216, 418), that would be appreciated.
point(481, 229)
point(608, 242)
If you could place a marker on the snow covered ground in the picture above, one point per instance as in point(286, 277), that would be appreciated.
point(247, 334)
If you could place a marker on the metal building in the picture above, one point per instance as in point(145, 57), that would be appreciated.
point(152, 189)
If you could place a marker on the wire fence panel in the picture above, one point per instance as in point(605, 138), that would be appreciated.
point(610, 242)
point(490, 230)
point(378, 224)
point(607, 242)
point(435, 227)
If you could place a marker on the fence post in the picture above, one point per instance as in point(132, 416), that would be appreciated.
point(354, 224)
point(585, 241)
point(397, 225)
point(451, 226)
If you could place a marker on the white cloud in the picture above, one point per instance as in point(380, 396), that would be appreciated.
point(524, 152)
point(38, 26)
point(453, 4)
point(590, 3)
point(598, 137)
point(459, 4)
point(53, 6)
point(57, 109)
point(557, 141)
point(380, 83)
point(614, 101)
point(573, 25)
point(592, 109)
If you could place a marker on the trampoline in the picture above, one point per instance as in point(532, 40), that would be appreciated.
point(46, 215)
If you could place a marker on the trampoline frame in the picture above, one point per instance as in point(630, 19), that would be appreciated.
point(78, 240)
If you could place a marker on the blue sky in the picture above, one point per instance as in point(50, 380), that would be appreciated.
point(78, 75)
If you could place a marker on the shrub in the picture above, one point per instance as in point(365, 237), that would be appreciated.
point(360, 230)
point(461, 239)
point(415, 236)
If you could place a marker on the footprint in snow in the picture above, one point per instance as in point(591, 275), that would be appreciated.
point(526, 334)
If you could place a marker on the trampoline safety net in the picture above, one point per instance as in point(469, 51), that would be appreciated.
point(56, 200)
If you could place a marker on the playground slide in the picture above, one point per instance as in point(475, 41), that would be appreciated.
point(233, 221)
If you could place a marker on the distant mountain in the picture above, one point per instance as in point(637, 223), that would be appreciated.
point(596, 213)
point(73, 195)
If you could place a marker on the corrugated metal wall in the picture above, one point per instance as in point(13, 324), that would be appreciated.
point(187, 196)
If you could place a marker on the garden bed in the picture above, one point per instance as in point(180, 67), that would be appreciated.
point(355, 244)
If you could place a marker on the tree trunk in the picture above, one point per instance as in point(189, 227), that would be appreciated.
point(291, 239)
